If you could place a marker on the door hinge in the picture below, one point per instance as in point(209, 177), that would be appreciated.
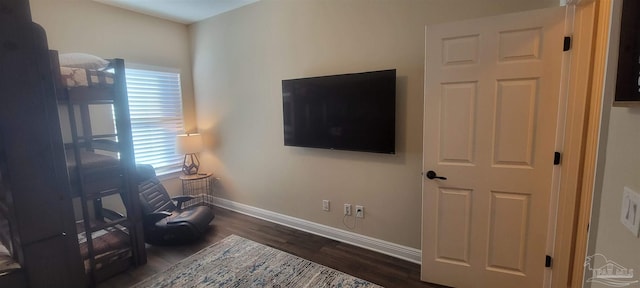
point(556, 158)
point(567, 43)
point(548, 261)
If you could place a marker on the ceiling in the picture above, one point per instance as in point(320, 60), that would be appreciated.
point(181, 11)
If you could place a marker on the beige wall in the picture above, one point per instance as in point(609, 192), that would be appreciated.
point(109, 32)
point(239, 60)
point(621, 168)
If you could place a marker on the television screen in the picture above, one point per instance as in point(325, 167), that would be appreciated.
point(353, 112)
point(628, 76)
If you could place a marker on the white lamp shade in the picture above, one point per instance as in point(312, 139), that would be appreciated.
point(188, 143)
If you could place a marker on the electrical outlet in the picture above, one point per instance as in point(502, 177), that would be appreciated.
point(325, 205)
point(359, 211)
point(347, 209)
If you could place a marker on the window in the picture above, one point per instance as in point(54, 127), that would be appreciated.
point(155, 105)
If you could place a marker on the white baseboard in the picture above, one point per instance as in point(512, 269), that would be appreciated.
point(381, 246)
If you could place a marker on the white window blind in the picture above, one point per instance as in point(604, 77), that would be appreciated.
point(155, 105)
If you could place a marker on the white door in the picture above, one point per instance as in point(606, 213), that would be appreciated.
point(491, 105)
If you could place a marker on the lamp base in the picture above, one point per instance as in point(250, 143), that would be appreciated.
point(191, 164)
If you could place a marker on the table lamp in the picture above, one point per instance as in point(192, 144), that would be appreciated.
point(189, 145)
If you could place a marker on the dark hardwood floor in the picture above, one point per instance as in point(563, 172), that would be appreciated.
point(362, 263)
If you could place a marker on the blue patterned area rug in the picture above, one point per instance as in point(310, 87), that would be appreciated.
point(238, 262)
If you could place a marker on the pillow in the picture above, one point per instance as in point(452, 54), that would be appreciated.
point(82, 60)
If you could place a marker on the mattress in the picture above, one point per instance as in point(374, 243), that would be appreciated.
point(80, 77)
point(90, 160)
point(101, 173)
point(109, 244)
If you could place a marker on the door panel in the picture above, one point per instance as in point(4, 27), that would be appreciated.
point(454, 235)
point(518, 45)
point(491, 105)
point(515, 122)
point(509, 216)
point(457, 123)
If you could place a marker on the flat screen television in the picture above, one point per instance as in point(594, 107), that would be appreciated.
point(628, 76)
point(354, 112)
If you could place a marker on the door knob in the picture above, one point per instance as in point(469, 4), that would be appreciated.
point(432, 175)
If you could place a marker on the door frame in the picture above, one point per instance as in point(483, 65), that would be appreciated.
point(590, 41)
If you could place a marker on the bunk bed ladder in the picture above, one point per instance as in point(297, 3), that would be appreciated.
point(127, 160)
point(83, 197)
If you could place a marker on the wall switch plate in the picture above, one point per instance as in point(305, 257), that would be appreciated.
point(325, 205)
point(347, 209)
point(630, 212)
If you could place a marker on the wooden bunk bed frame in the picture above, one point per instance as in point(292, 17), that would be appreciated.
point(118, 242)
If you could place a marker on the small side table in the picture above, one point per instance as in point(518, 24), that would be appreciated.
point(200, 187)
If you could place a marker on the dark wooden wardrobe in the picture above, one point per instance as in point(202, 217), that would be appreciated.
point(34, 182)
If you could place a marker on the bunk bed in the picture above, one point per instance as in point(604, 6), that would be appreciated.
point(101, 165)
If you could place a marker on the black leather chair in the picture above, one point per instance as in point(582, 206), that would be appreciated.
point(166, 223)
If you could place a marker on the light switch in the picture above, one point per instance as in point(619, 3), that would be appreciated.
point(630, 212)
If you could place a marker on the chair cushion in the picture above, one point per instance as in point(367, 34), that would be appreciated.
point(144, 172)
point(197, 216)
point(154, 197)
